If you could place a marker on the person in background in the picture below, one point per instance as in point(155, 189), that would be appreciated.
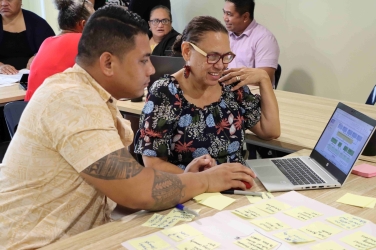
point(144, 7)
point(68, 162)
point(72, 18)
point(254, 45)
point(189, 114)
point(163, 35)
point(22, 32)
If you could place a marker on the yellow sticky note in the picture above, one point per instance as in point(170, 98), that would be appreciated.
point(320, 230)
point(249, 212)
point(255, 199)
point(181, 232)
point(199, 243)
point(273, 206)
point(357, 200)
point(302, 213)
point(161, 221)
point(218, 202)
point(347, 221)
point(256, 242)
point(270, 224)
point(204, 196)
point(294, 236)
point(149, 242)
point(360, 240)
point(181, 215)
point(328, 245)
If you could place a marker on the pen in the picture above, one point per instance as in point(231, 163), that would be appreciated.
point(232, 191)
point(187, 210)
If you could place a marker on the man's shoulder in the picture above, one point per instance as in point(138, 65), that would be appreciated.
point(262, 31)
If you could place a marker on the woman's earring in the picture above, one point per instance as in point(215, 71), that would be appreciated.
point(187, 70)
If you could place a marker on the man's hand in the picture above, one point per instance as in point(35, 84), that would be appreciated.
point(8, 69)
point(200, 164)
point(29, 62)
point(227, 176)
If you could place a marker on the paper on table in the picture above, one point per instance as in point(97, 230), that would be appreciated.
point(302, 213)
point(204, 196)
point(357, 200)
point(270, 224)
point(347, 221)
point(218, 202)
point(320, 230)
point(198, 243)
point(181, 232)
point(181, 215)
point(360, 240)
point(255, 199)
point(249, 212)
point(294, 236)
point(7, 80)
point(328, 245)
point(256, 242)
point(149, 242)
point(273, 206)
point(161, 221)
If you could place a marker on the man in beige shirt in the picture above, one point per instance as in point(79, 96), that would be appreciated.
point(68, 164)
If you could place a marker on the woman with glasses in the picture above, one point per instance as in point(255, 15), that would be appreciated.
point(190, 114)
point(163, 35)
point(21, 34)
point(72, 18)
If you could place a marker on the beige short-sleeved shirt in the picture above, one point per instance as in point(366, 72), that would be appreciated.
point(70, 123)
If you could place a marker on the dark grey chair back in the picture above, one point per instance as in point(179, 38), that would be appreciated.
point(12, 114)
point(165, 65)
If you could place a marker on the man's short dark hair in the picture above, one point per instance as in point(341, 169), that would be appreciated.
point(243, 6)
point(110, 29)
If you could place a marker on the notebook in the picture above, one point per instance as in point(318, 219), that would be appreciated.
point(330, 163)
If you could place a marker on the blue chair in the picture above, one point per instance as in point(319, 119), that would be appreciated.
point(12, 114)
point(372, 97)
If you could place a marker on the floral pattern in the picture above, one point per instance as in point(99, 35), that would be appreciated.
point(172, 127)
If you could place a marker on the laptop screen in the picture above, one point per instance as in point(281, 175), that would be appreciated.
point(343, 139)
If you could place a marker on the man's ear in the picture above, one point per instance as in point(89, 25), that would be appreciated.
point(186, 51)
point(246, 16)
point(106, 63)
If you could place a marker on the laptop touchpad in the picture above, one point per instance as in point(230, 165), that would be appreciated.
point(267, 171)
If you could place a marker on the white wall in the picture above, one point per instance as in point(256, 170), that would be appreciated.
point(327, 47)
point(45, 9)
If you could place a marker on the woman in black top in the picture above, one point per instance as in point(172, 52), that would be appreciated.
point(21, 34)
point(144, 7)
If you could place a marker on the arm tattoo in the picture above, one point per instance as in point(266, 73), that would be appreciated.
point(167, 190)
point(115, 166)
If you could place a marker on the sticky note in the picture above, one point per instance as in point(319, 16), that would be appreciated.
point(302, 213)
point(249, 212)
point(255, 199)
point(182, 215)
point(347, 221)
point(364, 170)
point(270, 224)
point(320, 230)
point(204, 196)
point(273, 206)
point(161, 221)
point(181, 232)
point(218, 202)
point(294, 236)
point(357, 200)
point(149, 242)
point(328, 245)
point(256, 242)
point(199, 243)
point(360, 240)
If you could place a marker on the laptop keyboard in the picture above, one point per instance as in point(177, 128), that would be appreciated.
point(297, 171)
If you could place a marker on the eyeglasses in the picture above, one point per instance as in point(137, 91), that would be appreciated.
point(155, 22)
point(213, 58)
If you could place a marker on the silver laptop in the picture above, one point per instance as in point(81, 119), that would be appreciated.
point(330, 162)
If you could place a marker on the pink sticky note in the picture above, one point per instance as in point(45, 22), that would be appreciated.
point(364, 170)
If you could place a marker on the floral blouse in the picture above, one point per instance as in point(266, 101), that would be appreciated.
point(172, 127)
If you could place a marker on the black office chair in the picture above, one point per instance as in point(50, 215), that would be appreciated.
point(165, 65)
point(372, 97)
point(12, 114)
point(277, 75)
